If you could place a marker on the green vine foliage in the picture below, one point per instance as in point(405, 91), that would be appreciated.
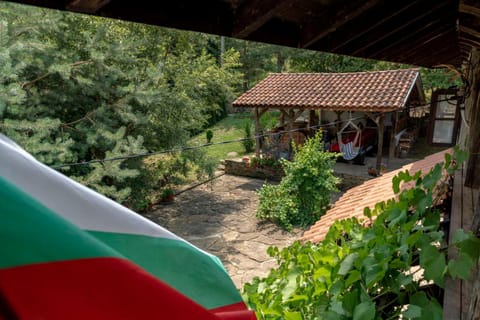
point(371, 269)
point(303, 195)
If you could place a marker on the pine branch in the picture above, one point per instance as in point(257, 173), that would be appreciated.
point(85, 117)
point(72, 65)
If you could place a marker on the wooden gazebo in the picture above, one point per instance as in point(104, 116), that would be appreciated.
point(375, 94)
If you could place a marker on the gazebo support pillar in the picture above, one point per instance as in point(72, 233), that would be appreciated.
point(291, 119)
point(391, 149)
point(312, 119)
point(380, 130)
point(379, 121)
point(258, 130)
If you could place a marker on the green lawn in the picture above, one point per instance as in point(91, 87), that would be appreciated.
point(230, 128)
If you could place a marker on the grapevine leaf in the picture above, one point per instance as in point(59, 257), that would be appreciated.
point(290, 315)
point(364, 311)
point(412, 312)
point(347, 263)
point(462, 267)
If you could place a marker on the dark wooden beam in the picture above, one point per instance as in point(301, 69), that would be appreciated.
point(87, 6)
point(277, 31)
point(251, 15)
point(362, 27)
point(431, 46)
point(420, 35)
point(469, 31)
point(402, 27)
point(334, 17)
point(469, 9)
point(185, 15)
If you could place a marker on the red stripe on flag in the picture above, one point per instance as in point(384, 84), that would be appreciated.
point(237, 311)
point(98, 288)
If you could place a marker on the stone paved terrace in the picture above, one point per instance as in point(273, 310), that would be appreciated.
point(220, 218)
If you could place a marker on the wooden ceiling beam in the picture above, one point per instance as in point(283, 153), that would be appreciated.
point(420, 35)
point(431, 54)
point(194, 16)
point(418, 19)
point(469, 31)
point(253, 14)
point(334, 18)
point(386, 11)
point(276, 31)
point(469, 9)
point(86, 6)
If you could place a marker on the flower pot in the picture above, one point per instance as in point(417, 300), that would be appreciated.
point(168, 199)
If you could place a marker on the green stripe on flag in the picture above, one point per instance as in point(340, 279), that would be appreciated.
point(35, 234)
point(199, 276)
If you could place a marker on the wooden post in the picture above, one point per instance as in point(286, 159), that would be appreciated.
point(472, 105)
point(282, 117)
point(312, 119)
point(380, 129)
point(258, 142)
point(291, 115)
point(391, 149)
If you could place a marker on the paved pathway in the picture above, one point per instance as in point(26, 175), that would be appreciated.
point(220, 218)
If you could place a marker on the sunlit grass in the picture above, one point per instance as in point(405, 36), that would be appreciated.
point(230, 128)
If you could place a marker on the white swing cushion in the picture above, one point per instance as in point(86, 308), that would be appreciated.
point(348, 150)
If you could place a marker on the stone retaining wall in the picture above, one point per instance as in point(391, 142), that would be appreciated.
point(240, 168)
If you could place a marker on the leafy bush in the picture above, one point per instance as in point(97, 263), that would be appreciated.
point(303, 195)
point(209, 135)
point(365, 271)
point(249, 142)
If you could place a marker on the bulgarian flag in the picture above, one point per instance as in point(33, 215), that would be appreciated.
point(67, 252)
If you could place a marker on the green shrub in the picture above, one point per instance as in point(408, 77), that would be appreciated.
point(209, 135)
point(364, 270)
point(303, 195)
point(249, 142)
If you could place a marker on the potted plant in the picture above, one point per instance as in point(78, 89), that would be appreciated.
point(167, 195)
point(372, 171)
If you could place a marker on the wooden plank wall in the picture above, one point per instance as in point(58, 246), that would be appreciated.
point(462, 298)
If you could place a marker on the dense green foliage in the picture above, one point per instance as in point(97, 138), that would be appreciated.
point(366, 269)
point(303, 195)
point(75, 88)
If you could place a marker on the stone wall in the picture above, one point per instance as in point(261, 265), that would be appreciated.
point(240, 168)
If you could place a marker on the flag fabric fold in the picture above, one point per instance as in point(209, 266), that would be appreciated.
point(71, 253)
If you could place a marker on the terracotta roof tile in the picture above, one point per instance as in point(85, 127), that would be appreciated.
point(352, 202)
point(360, 91)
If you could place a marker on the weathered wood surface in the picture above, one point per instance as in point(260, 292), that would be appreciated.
point(460, 296)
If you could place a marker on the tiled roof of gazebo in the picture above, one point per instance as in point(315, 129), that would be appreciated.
point(375, 91)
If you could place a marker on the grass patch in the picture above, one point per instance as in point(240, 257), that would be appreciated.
point(230, 128)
